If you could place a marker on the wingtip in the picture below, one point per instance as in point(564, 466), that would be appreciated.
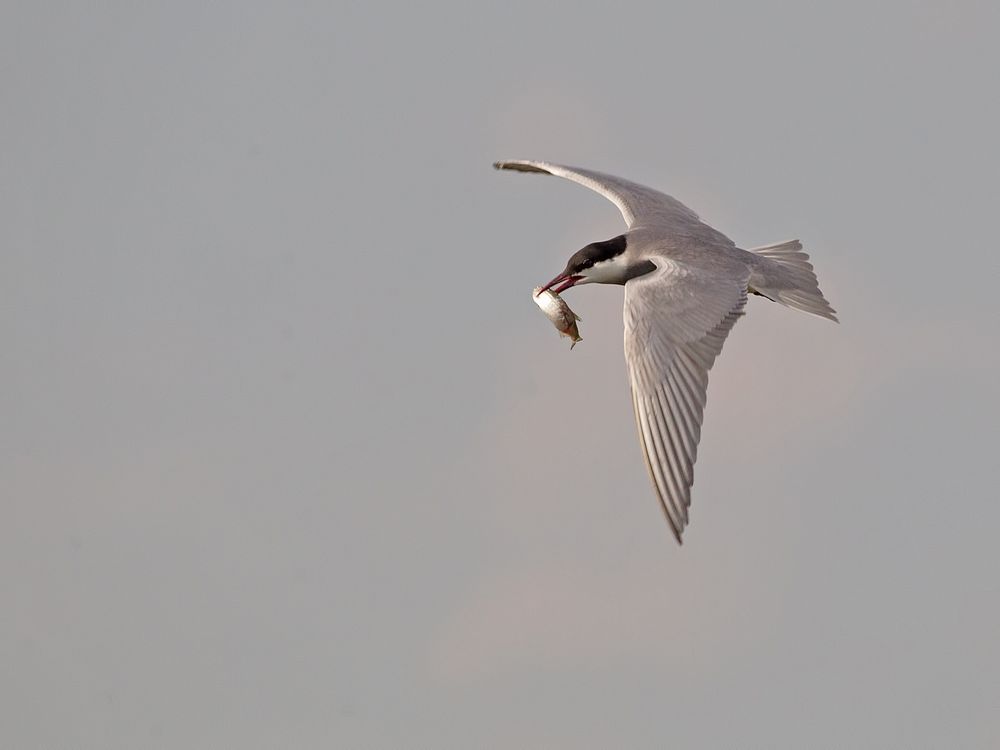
point(677, 529)
point(521, 165)
point(677, 535)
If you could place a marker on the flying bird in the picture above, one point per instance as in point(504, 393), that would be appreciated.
point(686, 285)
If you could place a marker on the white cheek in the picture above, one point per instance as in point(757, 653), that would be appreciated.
point(608, 272)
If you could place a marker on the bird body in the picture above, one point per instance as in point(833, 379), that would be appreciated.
point(686, 285)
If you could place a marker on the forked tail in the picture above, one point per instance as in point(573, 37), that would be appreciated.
point(784, 274)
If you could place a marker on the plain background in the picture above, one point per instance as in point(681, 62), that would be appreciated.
point(288, 458)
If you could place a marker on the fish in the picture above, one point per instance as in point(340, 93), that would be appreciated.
point(556, 309)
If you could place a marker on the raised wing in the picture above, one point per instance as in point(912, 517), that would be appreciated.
point(676, 320)
point(639, 204)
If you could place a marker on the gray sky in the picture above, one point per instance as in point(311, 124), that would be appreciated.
point(288, 458)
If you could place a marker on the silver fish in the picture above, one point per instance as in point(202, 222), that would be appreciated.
point(556, 309)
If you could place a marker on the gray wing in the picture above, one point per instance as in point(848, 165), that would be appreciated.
point(639, 204)
point(676, 320)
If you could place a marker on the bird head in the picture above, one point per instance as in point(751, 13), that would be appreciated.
point(597, 263)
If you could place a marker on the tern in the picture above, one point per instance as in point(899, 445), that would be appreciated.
point(686, 285)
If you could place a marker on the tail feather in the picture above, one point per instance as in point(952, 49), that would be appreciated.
point(785, 275)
